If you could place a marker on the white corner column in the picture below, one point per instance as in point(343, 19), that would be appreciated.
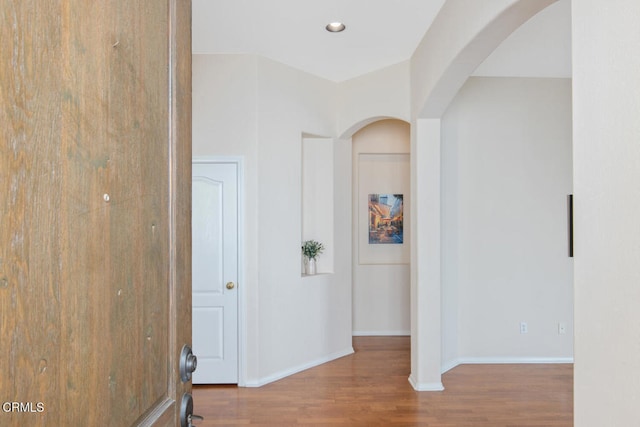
point(425, 256)
point(606, 156)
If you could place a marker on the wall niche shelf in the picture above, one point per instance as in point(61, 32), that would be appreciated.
point(318, 198)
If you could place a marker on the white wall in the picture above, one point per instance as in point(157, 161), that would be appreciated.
point(258, 109)
point(302, 320)
point(506, 172)
point(606, 99)
point(380, 94)
point(541, 47)
point(381, 282)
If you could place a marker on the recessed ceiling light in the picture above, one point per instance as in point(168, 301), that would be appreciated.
point(335, 27)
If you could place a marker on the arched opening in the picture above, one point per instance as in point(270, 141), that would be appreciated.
point(434, 85)
point(381, 228)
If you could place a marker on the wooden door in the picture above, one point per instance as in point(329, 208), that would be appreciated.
point(215, 272)
point(95, 171)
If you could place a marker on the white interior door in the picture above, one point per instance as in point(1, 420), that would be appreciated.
point(215, 272)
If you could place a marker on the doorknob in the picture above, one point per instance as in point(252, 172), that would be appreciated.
point(231, 285)
point(188, 363)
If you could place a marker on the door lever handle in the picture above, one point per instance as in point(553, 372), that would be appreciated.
point(193, 417)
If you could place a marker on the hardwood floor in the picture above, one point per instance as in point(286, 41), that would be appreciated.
point(370, 388)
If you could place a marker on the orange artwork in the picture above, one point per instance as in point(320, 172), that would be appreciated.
point(385, 218)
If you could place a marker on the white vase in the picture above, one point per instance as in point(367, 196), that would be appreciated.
point(310, 266)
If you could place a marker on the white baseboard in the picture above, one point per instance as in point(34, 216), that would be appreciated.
point(287, 372)
point(447, 366)
point(381, 333)
point(425, 386)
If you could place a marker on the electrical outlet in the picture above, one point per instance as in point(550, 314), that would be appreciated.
point(524, 328)
point(562, 328)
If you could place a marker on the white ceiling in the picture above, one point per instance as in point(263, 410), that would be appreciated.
point(379, 33)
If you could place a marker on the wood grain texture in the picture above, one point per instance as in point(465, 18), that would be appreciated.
point(180, 176)
point(370, 388)
point(92, 154)
point(29, 169)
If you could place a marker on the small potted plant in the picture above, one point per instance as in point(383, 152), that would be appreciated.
point(311, 249)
